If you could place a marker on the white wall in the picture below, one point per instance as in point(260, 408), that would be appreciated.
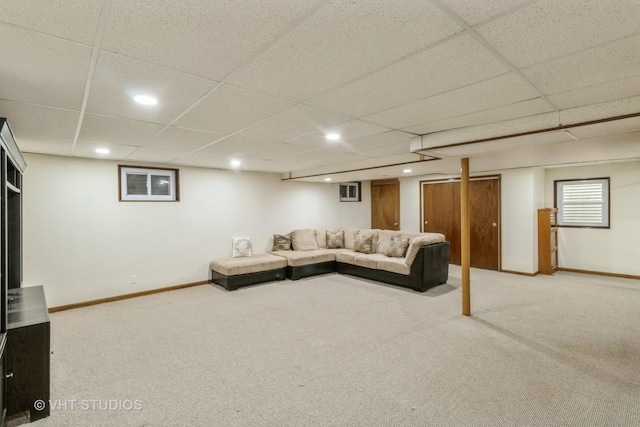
point(615, 250)
point(522, 193)
point(82, 244)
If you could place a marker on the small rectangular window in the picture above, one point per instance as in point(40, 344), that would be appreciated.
point(350, 192)
point(583, 203)
point(148, 184)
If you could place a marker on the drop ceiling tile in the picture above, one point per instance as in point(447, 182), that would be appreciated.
point(380, 140)
point(607, 129)
point(297, 121)
point(201, 160)
point(474, 12)
point(205, 38)
point(29, 143)
point(590, 67)
point(152, 155)
point(276, 151)
point(233, 146)
point(389, 150)
point(355, 129)
point(174, 138)
point(228, 109)
point(503, 90)
point(318, 141)
point(604, 92)
point(343, 41)
point(39, 120)
point(88, 149)
point(314, 155)
point(69, 19)
point(507, 112)
point(455, 63)
point(117, 131)
point(117, 79)
point(550, 29)
point(255, 164)
point(43, 69)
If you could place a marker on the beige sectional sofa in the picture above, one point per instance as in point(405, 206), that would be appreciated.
point(424, 264)
point(414, 260)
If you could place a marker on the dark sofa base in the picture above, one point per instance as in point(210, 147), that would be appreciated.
point(232, 283)
point(295, 273)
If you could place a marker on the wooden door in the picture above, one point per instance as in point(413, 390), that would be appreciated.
point(441, 214)
point(484, 218)
point(385, 204)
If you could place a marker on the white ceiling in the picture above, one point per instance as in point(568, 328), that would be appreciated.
point(263, 80)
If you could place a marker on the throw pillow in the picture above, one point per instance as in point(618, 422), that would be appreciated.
point(242, 247)
point(304, 240)
point(282, 242)
point(363, 243)
point(397, 247)
point(335, 239)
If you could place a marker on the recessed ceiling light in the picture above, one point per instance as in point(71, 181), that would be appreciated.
point(407, 170)
point(332, 136)
point(327, 179)
point(145, 100)
point(235, 163)
point(103, 150)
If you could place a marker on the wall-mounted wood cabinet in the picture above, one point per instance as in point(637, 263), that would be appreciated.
point(547, 240)
point(12, 166)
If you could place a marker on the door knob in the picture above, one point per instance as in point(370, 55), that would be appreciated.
point(495, 225)
point(395, 223)
point(426, 222)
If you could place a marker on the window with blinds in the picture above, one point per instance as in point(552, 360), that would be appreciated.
point(583, 203)
point(148, 184)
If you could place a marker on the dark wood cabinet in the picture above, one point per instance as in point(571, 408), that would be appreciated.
point(12, 166)
point(28, 353)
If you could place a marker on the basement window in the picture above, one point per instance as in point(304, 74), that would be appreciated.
point(583, 203)
point(138, 184)
point(350, 192)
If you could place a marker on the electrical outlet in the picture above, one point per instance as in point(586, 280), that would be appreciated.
point(134, 279)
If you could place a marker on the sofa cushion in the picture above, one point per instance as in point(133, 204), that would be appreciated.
point(384, 240)
point(369, 260)
point(304, 240)
point(321, 238)
point(335, 239)
point(350, 236)
point(394, 265)
point(347, 256)
point(417, 242)
point(398, 247)
point(244, 265)
point(282, 242)
point(363, 243)
point(300, 258)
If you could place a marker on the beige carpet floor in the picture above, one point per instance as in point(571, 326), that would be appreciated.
point(334, 350)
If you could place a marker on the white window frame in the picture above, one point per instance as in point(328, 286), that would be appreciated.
point(602, 202)
point(124, 171)
point(348, 186)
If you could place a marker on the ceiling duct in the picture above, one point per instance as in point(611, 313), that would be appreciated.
point(524, 131)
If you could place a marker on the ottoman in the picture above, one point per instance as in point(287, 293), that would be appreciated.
point(232, 273)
